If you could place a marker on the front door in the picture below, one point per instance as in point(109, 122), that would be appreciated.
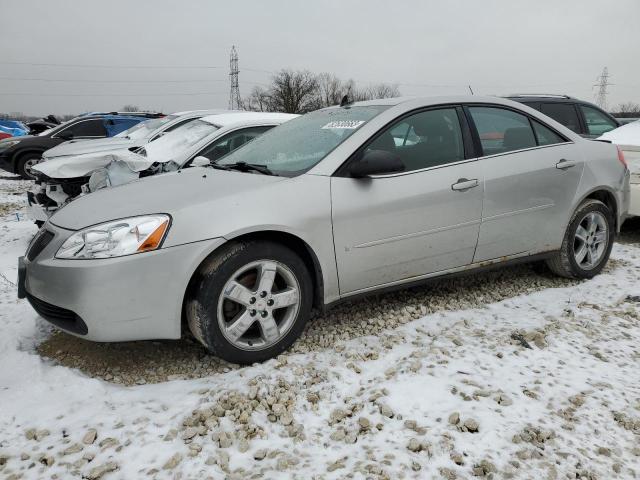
point(393, 228)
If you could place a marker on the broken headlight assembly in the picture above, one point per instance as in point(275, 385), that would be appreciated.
point(117, 238)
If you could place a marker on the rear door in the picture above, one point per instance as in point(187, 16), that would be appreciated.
point(392, 228)
point(531, 174)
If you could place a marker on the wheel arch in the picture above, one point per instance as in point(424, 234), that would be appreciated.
point(606, 196)
point(297, 244)
point(18, 154)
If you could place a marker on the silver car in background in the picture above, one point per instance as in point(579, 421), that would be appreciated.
point(338, 203)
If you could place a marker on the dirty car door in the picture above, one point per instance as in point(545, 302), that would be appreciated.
point(391, 228)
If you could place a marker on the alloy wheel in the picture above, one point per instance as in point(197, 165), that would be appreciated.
point(258, 305)
point(591, 240)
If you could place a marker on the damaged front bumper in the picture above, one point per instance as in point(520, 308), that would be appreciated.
point(134, 297)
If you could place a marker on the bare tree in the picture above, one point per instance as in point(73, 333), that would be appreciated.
point(379, 90)
point(303, 91)
point(130, 108)
point(627, 109)
point(258, 100)
point(331, 89)
point(294, 92)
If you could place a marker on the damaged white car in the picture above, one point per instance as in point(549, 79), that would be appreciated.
point(136, 136)
point(198, 142)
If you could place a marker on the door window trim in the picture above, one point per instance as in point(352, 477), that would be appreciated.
point(476, 136)
point(467, 142)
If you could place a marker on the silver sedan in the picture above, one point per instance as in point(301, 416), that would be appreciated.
point(338, 203)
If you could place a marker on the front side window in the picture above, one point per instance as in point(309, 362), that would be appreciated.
point(299, 144)
point(563, 113)
point(86, 128)
point(423, 140)
point(597, 122)
point(502, 130)
point(225, 145)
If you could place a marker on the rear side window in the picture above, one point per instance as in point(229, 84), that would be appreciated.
point(597, 122)
point(87, 128)
point(545, 135)
point(502, 130)
point(563, 113)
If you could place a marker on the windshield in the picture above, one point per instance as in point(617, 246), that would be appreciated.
point(144, 129)
point(297, 145)
point(179, 140)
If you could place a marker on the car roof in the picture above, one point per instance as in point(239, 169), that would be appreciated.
point(435, 100)
point(228, 119)
point(200, 113)
point(128, 114)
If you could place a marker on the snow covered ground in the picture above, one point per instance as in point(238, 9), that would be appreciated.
point(508, 375)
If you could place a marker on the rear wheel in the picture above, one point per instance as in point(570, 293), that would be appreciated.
point(250, 301)
point(587, 242)
point(25, 163)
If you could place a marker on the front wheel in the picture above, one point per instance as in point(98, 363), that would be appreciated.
point(250, 301)
point(25, 164)
point(587, 242)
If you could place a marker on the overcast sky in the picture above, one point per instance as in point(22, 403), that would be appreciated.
point(73, 56)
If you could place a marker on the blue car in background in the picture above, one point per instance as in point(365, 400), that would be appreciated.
point(19, 154)
point(13, 128)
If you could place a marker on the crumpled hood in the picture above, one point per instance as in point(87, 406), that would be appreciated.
point(191, 196)
point(81, 165)
point(80, 147)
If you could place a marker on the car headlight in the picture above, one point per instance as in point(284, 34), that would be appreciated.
point(8, 144)
point(116, 238)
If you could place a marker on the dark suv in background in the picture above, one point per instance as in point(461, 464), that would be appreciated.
point(19, 154)
point(582, 117)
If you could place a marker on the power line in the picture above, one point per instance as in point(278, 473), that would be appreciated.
point(110, 94)
point(87, 65)
point(60, 80)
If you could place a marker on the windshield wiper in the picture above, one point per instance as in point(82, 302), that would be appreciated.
point(244, 167)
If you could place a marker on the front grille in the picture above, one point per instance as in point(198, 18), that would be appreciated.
point(58, 316)
point(43, 238)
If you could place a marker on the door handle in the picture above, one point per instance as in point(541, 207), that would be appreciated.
point(564, 164)
point(464, 184)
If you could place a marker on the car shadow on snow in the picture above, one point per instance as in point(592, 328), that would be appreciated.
point(141, 362)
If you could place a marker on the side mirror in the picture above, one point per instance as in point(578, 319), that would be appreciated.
point(200, 161)
point(66, 135)
point(376, 162)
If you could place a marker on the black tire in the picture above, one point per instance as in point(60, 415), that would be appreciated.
point(201, 307)
point(564, 263)
point(22, 162)
point(39, 223)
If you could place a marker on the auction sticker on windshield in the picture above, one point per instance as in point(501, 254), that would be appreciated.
point(345, 124)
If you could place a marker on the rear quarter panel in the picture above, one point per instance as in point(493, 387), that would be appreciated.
point(603, 171)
